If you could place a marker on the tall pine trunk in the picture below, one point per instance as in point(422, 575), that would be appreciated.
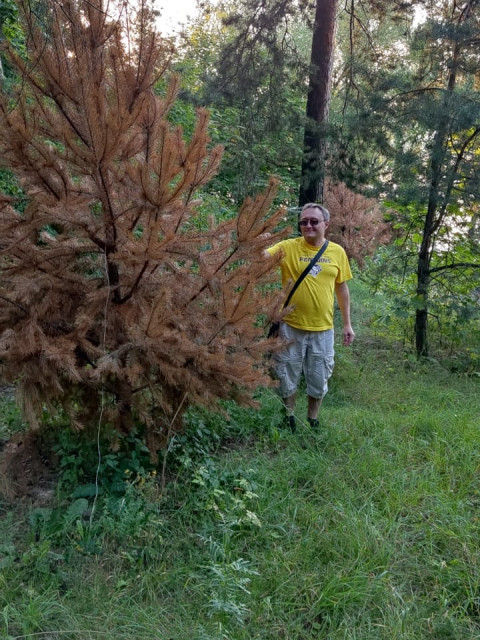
point(314, 142)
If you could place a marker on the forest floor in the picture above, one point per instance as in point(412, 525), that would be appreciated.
point(366, 529)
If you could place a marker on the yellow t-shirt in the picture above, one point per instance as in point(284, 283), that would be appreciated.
point(313, 301)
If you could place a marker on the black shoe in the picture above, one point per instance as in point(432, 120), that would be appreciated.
point(313, 422)
point(290, 423)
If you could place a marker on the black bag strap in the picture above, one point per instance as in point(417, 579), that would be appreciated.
point(305, 272)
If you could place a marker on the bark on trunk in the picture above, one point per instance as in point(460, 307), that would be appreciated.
point(421, 314)
point(314, 143)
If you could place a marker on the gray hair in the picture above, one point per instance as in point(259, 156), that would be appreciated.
point(315, 205)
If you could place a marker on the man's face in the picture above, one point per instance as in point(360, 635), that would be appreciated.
point(313, 225)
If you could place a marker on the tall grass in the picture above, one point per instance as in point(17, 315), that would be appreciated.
point(367, 529)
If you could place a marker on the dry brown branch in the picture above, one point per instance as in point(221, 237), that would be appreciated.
point(357, 223)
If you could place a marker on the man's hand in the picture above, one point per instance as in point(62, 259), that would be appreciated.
point(348, 336)
point(265, 236)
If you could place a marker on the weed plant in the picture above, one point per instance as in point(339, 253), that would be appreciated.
point(10, 417)
point(367, 529)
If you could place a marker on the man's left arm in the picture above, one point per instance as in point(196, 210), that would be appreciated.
point(343, 297)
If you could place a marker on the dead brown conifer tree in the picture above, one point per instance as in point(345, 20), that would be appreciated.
point(115, 303)
point(357, 222)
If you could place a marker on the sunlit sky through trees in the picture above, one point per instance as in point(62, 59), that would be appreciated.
point(174, 12)
point(177, 12)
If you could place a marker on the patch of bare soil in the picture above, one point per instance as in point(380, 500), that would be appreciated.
point(24, 471)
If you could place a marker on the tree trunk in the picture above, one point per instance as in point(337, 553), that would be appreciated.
point(421, 313)
point(434, 216)
point(314, 143)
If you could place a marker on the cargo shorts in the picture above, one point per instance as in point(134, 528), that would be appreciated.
point(308, 352)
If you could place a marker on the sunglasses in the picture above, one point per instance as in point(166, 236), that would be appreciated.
point(312, 221)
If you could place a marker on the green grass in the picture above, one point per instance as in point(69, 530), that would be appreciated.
point(368, 529)
point(10, 418)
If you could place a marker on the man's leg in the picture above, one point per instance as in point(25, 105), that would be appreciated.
point(288, 369)
point(318, 367)
point(314, 405)
point(289, 405)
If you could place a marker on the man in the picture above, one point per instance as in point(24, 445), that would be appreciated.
point(308, 327)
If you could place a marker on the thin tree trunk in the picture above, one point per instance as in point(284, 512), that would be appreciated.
point(437, 161)
point(421, 313)
point(314, 143)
